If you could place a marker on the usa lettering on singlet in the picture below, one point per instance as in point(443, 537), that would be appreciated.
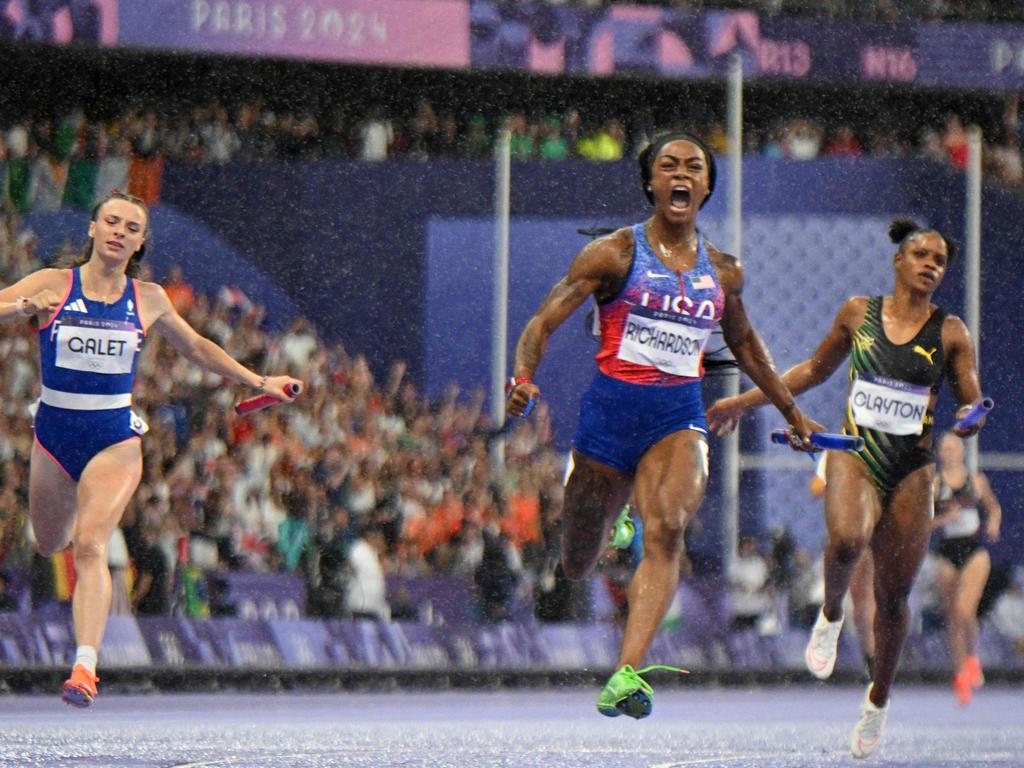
point(96, 346)
point(670, 342)
point(889, 405)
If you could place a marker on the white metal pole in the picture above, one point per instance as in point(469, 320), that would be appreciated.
point(731, 454)
point(972, 260)
point(499, 310)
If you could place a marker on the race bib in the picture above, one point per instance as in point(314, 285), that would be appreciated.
point(963, 525)
point(670, 342)
point(889, 405)
point(96, 346)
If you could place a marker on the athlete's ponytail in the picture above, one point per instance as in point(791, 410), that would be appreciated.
point(134, 267)
point(901, 230)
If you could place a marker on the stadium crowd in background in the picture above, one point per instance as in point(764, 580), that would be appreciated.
point(47, 163)
point(355, 482)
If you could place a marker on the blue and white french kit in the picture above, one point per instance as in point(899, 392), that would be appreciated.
point(88, 357)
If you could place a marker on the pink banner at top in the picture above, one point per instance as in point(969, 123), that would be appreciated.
point(431, 33)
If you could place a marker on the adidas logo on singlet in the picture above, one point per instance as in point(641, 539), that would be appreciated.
point(78, 306)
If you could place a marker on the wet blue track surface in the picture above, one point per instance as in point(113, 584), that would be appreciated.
point(781, 727)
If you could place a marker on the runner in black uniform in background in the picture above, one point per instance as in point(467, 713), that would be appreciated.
point(900, 348)
point(964, 562)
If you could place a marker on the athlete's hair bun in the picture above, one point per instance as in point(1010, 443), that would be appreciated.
point(900, 228)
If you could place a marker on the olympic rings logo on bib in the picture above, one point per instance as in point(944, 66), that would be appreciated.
point(889, 405)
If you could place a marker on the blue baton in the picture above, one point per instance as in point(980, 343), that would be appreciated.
point(823, 441)
point(978, 410)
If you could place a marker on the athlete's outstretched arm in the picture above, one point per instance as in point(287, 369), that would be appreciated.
point(598, 266)
point(164, 317)
point(833, 349)
point(751, 352)
point(961, 370)
point(37, 294)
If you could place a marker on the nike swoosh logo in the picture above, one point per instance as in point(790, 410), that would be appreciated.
point(656, 274)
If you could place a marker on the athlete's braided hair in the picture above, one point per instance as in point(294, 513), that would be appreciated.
point(134, 268)
point(901, 230)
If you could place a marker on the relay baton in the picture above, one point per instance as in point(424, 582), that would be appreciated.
point(258, 403)
point(973, 416)
point(510, 421)
point(823, 441)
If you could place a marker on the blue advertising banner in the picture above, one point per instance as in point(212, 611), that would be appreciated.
point(541, 38)
point(675, 43)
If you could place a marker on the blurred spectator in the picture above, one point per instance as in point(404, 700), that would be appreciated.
point(553, 145)
point(844, 143)
point(294, 536)
point(603, 144)
point(1007, 615)
point(748, 585)
point(366, 594)
point(376, 137)
point(496, 578)
point(522, 144)
point(803, 139)
point(954, 141)
point(477, 141)
point(179, 291)
point(8, 603)
point(152, 582)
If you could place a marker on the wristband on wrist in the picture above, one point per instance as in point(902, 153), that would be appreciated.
point(515, 381)
point(262, 386)
point(23, 306)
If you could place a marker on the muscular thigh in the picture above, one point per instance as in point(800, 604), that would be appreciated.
point(107, 485)
point(51, 501)
point(593, 488)
point(902, 535)
point(852, 503)
point(672, 476)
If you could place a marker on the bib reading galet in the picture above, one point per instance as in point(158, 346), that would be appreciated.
point(96, 346)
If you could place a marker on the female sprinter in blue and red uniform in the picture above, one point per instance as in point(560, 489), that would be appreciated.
point(87, 457)
point(660, 288)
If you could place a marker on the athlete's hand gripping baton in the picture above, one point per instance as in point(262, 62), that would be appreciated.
point(822, 441)
point(973, 416)
point(259, 402)
point(511, 421)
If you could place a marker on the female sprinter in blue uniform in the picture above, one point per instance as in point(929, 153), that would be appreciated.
point(660, 288)
point(901, 347)
point(964, 561)
point(87, 456)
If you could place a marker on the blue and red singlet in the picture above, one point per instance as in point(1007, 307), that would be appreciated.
point(650, 363)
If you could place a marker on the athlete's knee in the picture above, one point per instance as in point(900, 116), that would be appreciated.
point(89, 547)
point(664, 535)
point(848, 548)
point(891, 604)
point(966, 611)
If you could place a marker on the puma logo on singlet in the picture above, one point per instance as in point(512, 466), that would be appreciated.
point(923, 353)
